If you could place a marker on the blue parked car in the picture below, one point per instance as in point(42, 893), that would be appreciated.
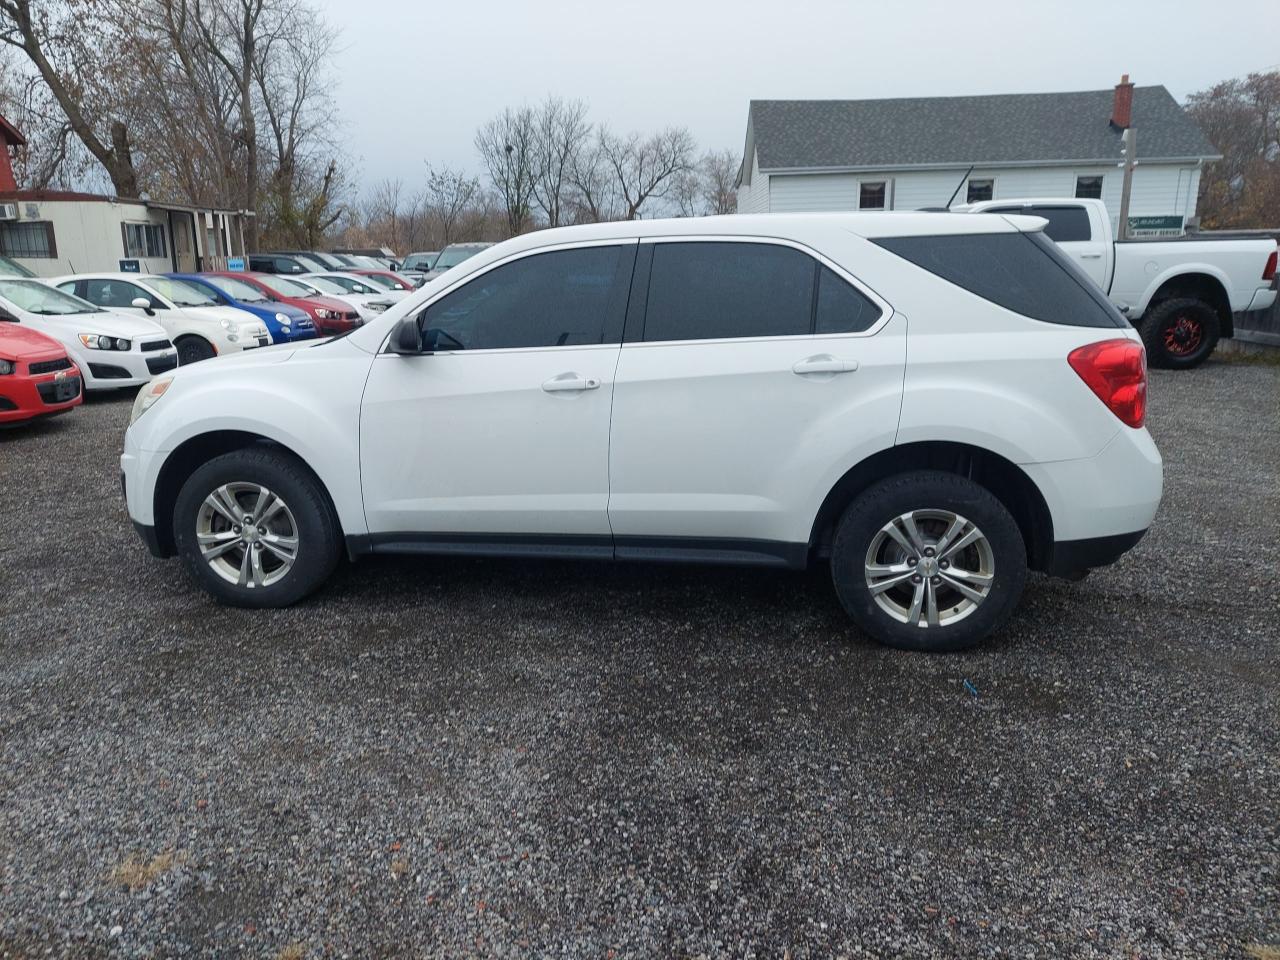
point(284, 323)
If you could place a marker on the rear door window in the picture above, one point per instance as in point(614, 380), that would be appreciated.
point(719, 290)
point(1023, 272)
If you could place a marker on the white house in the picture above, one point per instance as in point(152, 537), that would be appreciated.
point(912, 153)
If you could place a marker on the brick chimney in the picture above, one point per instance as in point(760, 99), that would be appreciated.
point(1122, 107)
point(10, 139)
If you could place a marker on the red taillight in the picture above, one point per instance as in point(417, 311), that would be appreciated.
point(1269, 271)
point(1116, 370)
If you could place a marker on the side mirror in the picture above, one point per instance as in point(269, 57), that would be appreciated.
point(142, 303)
point(406, 338)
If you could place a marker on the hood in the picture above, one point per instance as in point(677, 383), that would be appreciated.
point(24, 343)
point(234, 314)
point(328, 303)
point(105, 322)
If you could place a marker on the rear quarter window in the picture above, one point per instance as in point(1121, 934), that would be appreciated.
point(1023, 272)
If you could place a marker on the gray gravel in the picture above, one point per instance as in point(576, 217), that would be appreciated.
point(489, 758)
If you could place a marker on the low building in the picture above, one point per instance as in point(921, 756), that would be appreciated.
point(53, 232)
point(913, 153)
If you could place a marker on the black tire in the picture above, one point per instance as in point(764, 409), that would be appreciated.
point(308, 513)
point(1180, 334)
point(193, 349)
point(860, 526)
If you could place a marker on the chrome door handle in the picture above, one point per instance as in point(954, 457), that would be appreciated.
point(569, 382)
point(824, 363)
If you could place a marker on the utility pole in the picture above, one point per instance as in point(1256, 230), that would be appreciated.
point(1128, 150)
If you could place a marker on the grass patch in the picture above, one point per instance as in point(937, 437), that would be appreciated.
point(294, 951)
point(137, 874)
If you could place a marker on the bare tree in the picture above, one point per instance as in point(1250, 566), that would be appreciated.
point(644, 168)
point(718, 176)
point(594, 195)
point(507, 146)
point(1242, 119)
point(561, 131)
point(449, 196)
point(83, 72)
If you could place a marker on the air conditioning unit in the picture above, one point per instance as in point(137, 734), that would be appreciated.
point(8, 211)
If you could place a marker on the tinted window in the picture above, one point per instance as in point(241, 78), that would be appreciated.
point(710, 291)
point(115, 293)
point(1023, 272)
point(1065, 223)
point(562, 298)
point(841, 307)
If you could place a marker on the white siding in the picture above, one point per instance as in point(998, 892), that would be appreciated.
point(754, 197)
point(1157, 188)
point(87, 235)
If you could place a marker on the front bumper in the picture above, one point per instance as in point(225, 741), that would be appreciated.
point(26, 396)
point(111, 370)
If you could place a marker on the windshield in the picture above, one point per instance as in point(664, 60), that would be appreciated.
point(325, 285)
point(454, 256)
point(418, 261)
point(34, 297)
point(180, 292)
point(11, 269)
point(378, 280)
point(284, 286)
point(244, 292)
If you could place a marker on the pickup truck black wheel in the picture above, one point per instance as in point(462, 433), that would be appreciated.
point(256, 529)
point(928, 561)
point(1180, 334)
point(193, 349)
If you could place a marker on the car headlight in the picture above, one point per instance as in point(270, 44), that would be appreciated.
point(98, 341)
point(7, 367)
point(324, 314)
point(226, 324)
point(148, 396)
point(282, 320)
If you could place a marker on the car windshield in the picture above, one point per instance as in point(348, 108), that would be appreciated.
point(325, 285)
point(8, 268)
point(180, 292)
point(418, 261)
point(454, 256)
point(378, 280)
point(35, 297)
point(284, 286)
point(244, 292)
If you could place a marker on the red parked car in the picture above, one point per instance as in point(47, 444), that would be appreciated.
point(330, 315)
point(385, 278)
point(37, 378)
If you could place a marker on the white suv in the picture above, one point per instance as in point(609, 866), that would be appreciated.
point(935, 403)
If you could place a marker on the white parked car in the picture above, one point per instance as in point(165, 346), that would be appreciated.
point(111, 350)
point(931, 403)
point(368, 298)
point(197, 324)
point(1180, 292)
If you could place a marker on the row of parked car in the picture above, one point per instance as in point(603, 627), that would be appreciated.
point(62, 336)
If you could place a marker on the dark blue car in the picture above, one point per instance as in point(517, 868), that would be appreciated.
point(284, 323)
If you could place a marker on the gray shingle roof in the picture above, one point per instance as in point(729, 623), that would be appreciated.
point(1006, 128)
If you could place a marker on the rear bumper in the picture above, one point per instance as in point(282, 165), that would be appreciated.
point(1074, 556)
point(1263, 298)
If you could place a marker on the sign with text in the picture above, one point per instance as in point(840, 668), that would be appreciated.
point(130, 266)
point(235, 263)
point(1165, 226)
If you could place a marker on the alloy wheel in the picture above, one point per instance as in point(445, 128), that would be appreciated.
point(929, 568)
point(1183, 336)
point(247, 534)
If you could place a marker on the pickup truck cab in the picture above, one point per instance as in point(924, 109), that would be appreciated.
point(1179, 293)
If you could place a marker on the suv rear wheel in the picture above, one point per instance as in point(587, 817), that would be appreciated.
point(255, 529)
point(928, 561)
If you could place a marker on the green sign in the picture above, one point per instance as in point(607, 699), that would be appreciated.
point(1165, 226)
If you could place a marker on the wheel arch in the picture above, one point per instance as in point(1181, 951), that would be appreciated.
point(196, 451)
point(1004, 478)
point(1206, 287)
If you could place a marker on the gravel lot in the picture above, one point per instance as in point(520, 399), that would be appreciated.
point(447, 758)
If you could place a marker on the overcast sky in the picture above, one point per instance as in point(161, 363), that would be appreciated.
point(416, 77)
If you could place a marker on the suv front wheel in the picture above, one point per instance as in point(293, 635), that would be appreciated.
point(928, 561)
point(255, 528)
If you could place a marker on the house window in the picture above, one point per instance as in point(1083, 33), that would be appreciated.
point(29, 239)
point(980, 190)
point(144, 240)
point(872, 195)
point(1089, 188)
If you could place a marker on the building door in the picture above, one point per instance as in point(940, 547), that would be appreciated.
point(182, 229)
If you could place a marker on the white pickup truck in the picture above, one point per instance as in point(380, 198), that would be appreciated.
point(1179, 293)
